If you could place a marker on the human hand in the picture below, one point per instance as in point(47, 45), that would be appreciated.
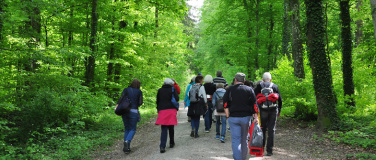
point(256, 120)
point(116, 106)
point(279, 114)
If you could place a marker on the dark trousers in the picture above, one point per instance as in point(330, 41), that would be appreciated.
point(268, 121)
point(195, 123)
point(164, 135)
point(208, 117)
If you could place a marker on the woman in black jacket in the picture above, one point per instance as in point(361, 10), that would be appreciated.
point(167, 112)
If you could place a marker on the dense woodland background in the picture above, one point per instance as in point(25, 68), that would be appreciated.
point(65, 64)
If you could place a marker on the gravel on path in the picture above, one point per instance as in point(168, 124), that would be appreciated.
point(291, 142)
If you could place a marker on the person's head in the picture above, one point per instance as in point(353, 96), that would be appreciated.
point(168, 81)
point(258, 82)
point(173, 79)
point(248, 83)
point(219, 73)
point(239, 78)
point(208, 79)
point(233, 81)
point(220, 85)
point(267, 77)
point(199, 74)
point(193, 79)
point(135, 84)
point(199, 79)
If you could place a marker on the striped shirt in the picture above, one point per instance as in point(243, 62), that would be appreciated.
point(219, 80)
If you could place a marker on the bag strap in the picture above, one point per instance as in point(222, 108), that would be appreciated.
point(218, 95)
point(271, 85)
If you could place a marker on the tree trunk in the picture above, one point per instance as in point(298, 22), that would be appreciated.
point(1, 19)
point(156, 21)
point(359, 25)
point(270, 47)
point(325, 98)
point(257, 34)
point(90, 68)
point(297, 46)
point(373, 9)
point(286, 39)
point(348, 83)
point(251, 74)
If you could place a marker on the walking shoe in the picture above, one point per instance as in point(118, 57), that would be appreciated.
point(172, 145)
point(269, 154)
point(163, 150)
point(196, 135)
point(217, 137)
point(223, 139)
point(207, 131)
point(127, 147)
point(192, 133)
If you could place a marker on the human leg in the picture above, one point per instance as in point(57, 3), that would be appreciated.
point(217, 126)
point(133, 117)
point(271, 130)
point(163, 136)
point(244, 122)
point(171, 133)
point(235, 137)
point(264, 121)
point(223, 120)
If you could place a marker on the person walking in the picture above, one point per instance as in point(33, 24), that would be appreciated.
point(219, 79)
point(267, 96)
point(198, 104)
point(209, 89)
point(176, 86)
point(239, 113)
point(167, 112)
point(131, 118)
point(220, 116)
point(186, 98)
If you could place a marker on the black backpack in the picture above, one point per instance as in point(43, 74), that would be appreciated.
point(219, 105)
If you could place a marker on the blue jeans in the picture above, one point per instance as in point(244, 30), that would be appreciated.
point(130, 124)
point(209, 116)
point(164, 133)
point(239, 127)
point(195, 123)
point(218, 124)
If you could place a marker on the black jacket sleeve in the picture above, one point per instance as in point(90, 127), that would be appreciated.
point(226, 97)
point(279, 98)
point(141, 100)
point(158, 99)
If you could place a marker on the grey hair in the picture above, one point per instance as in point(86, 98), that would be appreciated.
point(267, 76)
point(220, 85)
point(208, 79)
point(168, 81)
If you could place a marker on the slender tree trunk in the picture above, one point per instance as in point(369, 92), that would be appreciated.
point(359, 25)
point(90, 68)
point(297, 46)
point(111, 56)
point(348, 83)
point(373, 9)
point(270, 47)
point(156, 21)
point(2, 2)
point(322, 83)
point(286, 39)
point(257, 34)
point(251, 74)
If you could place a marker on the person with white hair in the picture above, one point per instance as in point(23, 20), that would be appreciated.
point(269, 101)
point(167, 112)
point(209, 89)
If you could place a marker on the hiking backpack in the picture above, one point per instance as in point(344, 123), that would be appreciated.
point(266, 90)
point(219, 105)
point(193, 93)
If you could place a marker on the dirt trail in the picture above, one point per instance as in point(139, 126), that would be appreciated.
point(291, 142)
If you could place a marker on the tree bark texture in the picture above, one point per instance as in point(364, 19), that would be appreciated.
point(322, 83)
point(286, 39)
point(90, 68)
point(348, 83)
point(373, 10)
point(1, 18)
point(251, 73)
point(359, 25)
point(297, 46)
point(270, 47)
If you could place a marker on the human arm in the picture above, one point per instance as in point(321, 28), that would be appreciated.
point(203, 93)
point(141, 99)
point(176, 95)
point(279, 100)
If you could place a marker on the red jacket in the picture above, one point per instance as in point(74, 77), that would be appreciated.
point(176, 86)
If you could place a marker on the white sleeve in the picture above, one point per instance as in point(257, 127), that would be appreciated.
point(203, 93)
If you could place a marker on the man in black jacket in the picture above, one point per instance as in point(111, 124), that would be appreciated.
point(242, 99)
point(270, 112)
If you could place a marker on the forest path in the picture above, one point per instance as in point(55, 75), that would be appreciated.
point(291, 142)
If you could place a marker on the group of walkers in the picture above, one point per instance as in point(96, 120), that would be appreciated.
point(241, 103)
